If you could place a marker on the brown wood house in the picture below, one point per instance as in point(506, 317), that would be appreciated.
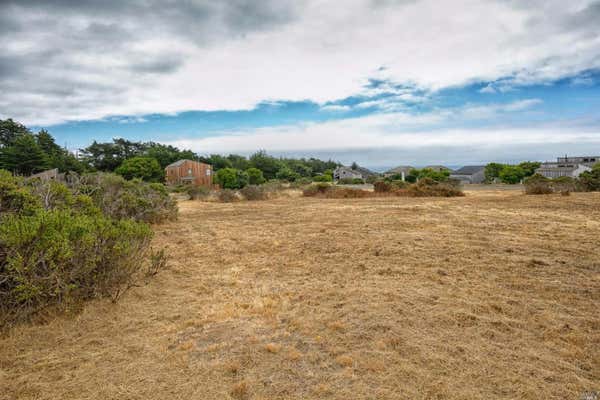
point(188, 172)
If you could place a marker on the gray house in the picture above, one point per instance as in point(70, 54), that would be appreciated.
point(588, 161)
point(558, 169)
point(470, 174)
point(349, 173)
point(403, 170)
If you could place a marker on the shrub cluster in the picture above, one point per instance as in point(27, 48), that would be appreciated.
point(254, 192)
point(538, 184)
point(424, 188)
point(119, 198)
point(60, 244)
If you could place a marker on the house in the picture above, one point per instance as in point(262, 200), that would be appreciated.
point(346, 173)
point(469, 174)
point(343, 172)
point(588, 161)
point(558, 169)
point(188, 172)
point(403, 170)
point(438, 168)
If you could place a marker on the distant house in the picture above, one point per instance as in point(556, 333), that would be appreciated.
point(558, 169)
point(588, 161)
point(403, 170)
point(343, 172)
point(438, 168)
point(469, 174)
point(188, 172)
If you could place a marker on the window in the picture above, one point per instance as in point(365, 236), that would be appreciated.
point(189, 171)
point(208, 172)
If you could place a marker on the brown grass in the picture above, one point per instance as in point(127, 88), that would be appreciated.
point(492, 295)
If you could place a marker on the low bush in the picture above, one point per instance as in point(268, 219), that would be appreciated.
point(300, 183)
point(383, 187)
point(427, 187)
point(60, 244)
point(538, 184)
point(57, 257)
point(590, 180)
point(253, 193)
point(316, 189)
point(198, 192)
point(344, 181)
point(119, 198)
point(227, 196)
point(323, 178)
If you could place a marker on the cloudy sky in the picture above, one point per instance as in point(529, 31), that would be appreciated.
point(382, 82)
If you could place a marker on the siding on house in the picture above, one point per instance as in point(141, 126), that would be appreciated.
point(346, 173)
point(188, 172)
point(470, 174)
point(558, 169)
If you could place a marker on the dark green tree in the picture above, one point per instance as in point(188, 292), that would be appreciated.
point(24, 156)
point(492, 171)
point(144, 168)
point(267, 164)
point(231, 178)
point(529, 167)
point(10, 130)
point(255, 176)
point(511, 174)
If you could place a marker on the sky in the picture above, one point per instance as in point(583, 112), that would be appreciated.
point(379, 82)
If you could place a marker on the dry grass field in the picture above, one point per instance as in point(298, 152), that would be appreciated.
point(495, 295)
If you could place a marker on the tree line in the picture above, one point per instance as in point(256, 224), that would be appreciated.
point(24, 152)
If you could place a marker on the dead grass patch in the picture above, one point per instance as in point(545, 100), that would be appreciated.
point(490, 296)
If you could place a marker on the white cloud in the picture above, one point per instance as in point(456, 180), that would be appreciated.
point(392, 130)
point(335, 108)
point(89, 62)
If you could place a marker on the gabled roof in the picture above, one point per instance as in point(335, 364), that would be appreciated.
point(179, 162)
point(469, 170)
point(399, 169)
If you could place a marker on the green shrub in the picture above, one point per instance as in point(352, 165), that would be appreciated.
point(538, 184)
point(323, 178)
point(427, 187)
point(590, 180)
point(144, 168)
point(345, 181)
point(286, 174)
point(227, 196)
point(358, 181)
point(253, 192)
point(255, 176)
point(118, 198)
point(58, 257)
point(231, 178)
point(14, 198)
point(511, 174)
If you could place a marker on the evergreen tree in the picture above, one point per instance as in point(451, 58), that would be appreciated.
point(24, 156)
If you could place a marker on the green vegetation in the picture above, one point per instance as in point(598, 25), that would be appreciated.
point(510, 174)
point(255, 176)
point(144, 168)
point(63, 243)
point(231, 178)
point(591, 179)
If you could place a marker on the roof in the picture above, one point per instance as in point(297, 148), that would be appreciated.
point(180, 162)
point(469, 170)
point(439, 167)
point(359, 170)
point(399, 169)
point(561, 167)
